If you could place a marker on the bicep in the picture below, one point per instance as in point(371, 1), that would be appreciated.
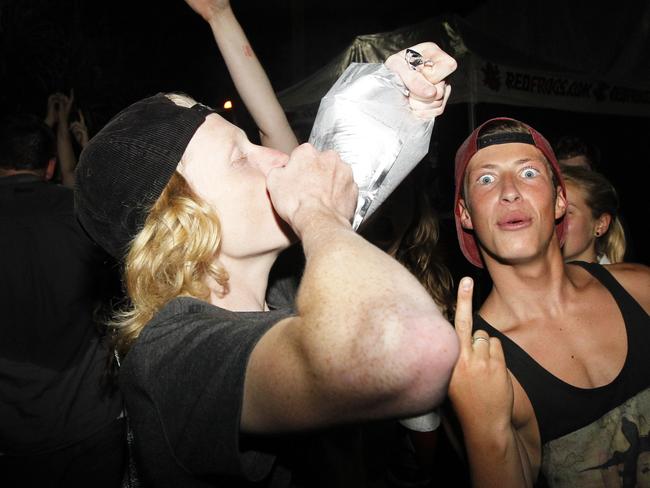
point(524, 456)
point(526, 432)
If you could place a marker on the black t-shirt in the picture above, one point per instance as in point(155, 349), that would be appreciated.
point(53, 388)
point(183, 381)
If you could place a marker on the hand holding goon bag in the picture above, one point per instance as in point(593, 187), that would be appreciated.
point(379, 118)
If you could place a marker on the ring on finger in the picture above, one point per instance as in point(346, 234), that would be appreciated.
point(414, 59)
point(480, 338)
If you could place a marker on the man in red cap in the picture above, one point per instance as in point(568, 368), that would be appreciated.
point(553, 379)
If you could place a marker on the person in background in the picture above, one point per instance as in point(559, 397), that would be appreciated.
point(553, 380)
point(57, 118)
point(574, 151)
point(60, 422)
point(594, 232)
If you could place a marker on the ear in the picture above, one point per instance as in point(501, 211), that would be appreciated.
point(560, 203)
point(49, 169)
point(602, 224)
point(465, 217)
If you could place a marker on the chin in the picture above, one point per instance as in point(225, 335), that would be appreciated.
point(513, 256)
point(289, 237)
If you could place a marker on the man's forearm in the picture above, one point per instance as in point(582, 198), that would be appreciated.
point(373, 323)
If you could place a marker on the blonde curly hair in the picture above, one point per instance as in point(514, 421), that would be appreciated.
point(173, 255)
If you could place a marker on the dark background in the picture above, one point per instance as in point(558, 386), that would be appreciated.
point(113, 53)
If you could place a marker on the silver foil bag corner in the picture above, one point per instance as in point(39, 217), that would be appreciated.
point(366, 118)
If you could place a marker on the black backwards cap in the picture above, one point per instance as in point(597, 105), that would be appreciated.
point(127, 165)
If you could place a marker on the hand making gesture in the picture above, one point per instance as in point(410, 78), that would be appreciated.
point(481, 388)
point(423, 68)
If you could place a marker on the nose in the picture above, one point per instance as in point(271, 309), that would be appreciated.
point(266, 159)
point(509, 191)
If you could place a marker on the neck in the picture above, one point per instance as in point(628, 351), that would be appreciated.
point(247, 283)
point(588, 255)
point(527, 291)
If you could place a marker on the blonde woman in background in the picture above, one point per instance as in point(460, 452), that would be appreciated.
point(594, 231)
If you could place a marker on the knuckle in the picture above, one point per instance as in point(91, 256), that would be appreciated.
point(305, 148)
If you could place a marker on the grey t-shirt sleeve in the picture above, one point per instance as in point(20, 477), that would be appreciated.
point(183, 381)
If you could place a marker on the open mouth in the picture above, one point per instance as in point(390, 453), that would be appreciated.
point(514, 222)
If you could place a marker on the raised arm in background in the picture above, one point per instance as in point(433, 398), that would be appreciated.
point(58, 112)
point(248, 75)
point(79, 130)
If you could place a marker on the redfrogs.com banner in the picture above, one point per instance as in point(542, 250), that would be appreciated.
point(488, 82)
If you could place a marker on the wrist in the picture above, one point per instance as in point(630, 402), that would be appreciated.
point(488, 434)
point(313, 219)
point(62, 131)
point(219, 15)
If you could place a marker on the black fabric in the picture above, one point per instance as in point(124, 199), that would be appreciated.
point(561, 408)
point(126, 166)
point(285, 277)
point(183, 382)
point(96, 462)
point(53, 385)
point(504, 138)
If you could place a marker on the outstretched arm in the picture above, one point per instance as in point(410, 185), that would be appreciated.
point(247, 73)
point(482, 395)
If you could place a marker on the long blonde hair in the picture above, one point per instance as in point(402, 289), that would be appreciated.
point(173, 255)
point(601, 198)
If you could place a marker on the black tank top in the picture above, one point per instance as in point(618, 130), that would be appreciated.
point(561, 408)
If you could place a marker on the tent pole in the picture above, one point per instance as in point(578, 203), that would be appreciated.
point(471, 116)
point(471, 106)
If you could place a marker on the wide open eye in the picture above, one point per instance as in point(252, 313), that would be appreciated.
point(529, 172)
point(485, 179)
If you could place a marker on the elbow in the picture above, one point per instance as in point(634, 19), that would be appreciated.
point(433, 354)
point(396, 367)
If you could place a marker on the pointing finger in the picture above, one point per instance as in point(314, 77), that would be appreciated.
point(463, 319)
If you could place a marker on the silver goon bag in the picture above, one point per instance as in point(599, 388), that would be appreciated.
point(366, 118)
